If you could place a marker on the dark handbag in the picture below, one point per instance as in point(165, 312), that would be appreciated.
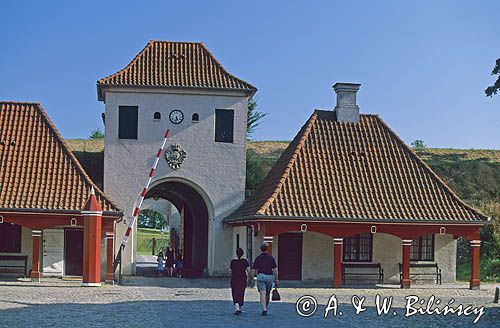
point(275, 295)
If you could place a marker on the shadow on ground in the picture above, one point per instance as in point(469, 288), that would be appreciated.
point(214, 314)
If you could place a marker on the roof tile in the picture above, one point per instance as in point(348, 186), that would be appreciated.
point(37, 169)
point(177, 65)
point(344, 171)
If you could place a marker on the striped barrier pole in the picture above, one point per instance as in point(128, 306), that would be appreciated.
point(140, 199)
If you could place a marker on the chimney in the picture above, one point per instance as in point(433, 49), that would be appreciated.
point(346, 109)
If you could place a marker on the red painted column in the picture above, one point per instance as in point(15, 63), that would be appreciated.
point(405, 281)
point(92, 225)
point(35, 256)
point(269, 240)
point(110, 275)
point(475, 246)
point(337, 262)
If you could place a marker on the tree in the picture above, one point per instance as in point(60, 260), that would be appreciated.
point(418, 145)
point(254, 117)
point(493, 89)
point(96, 134)
point(151, 219)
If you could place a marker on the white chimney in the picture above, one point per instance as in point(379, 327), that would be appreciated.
point(346, 109)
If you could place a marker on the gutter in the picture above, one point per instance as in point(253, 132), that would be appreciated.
point(356, 220)
point(117, 214)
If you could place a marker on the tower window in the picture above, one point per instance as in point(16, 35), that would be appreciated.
point(157, 116)
point(224, 125)
point(195, 117)
point(127, 122)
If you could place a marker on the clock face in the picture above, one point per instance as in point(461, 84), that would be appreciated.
point(176, 116)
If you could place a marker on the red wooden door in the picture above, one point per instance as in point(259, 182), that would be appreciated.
point(290, 256)
point(73, 251)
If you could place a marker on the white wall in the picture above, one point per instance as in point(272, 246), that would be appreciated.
point(388, 251)
point(242, 231)
point(317, 257)
point(217, 170)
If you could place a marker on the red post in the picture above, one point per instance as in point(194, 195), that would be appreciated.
point(475, 246)
point(110, 275)
point(269, 240)
point(92, 225)
point(405, 281)
point(337, 262)
point(35, 256)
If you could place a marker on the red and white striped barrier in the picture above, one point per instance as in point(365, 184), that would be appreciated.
point(140, 199)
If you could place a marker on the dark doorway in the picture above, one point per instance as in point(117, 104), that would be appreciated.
point(290, 256)
point(73, 252)
point(194, 214)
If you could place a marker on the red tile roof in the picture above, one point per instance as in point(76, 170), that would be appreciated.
point(37, 169)
point(175, 65)
point(353, 172)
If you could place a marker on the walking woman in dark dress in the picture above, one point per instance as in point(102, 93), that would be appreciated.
point(239, 278)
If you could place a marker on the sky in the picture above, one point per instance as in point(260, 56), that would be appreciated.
point(423, 65)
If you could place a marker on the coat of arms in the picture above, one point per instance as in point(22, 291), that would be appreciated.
point(175, 156)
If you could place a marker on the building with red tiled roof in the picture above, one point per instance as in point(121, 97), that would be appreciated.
point(43, 189)
point(169, 64)
point(350, 178)
point(347, 200)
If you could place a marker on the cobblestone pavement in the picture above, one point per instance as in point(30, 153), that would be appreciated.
point(173, 302)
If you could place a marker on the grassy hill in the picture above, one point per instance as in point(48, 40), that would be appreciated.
point(473, 174)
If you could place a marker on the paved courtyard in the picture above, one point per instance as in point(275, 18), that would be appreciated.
point(206, 303)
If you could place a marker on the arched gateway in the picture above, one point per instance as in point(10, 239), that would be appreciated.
point(194, 216)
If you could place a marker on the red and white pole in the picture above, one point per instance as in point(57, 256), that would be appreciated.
point(140, 199)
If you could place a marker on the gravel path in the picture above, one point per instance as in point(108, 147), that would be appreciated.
point(172, 302)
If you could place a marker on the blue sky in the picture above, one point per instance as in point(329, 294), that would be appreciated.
point(423, 65)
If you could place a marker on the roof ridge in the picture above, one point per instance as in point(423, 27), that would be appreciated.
point(429, 170)
point(72, 157)
point(19, 102)
point(169, 41)
point(304, 134)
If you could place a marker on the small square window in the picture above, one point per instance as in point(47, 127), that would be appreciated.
point(358, 248)
point(422, 248)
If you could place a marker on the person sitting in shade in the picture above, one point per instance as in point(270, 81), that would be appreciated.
point(267, 273)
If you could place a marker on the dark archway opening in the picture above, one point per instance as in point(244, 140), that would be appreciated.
point(194, 215)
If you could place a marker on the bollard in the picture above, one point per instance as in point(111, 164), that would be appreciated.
point(497, 295)
point(154, 246)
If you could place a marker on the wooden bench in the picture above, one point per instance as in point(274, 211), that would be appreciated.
point(14, 264)
point(426, 269)
point(360, 271)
